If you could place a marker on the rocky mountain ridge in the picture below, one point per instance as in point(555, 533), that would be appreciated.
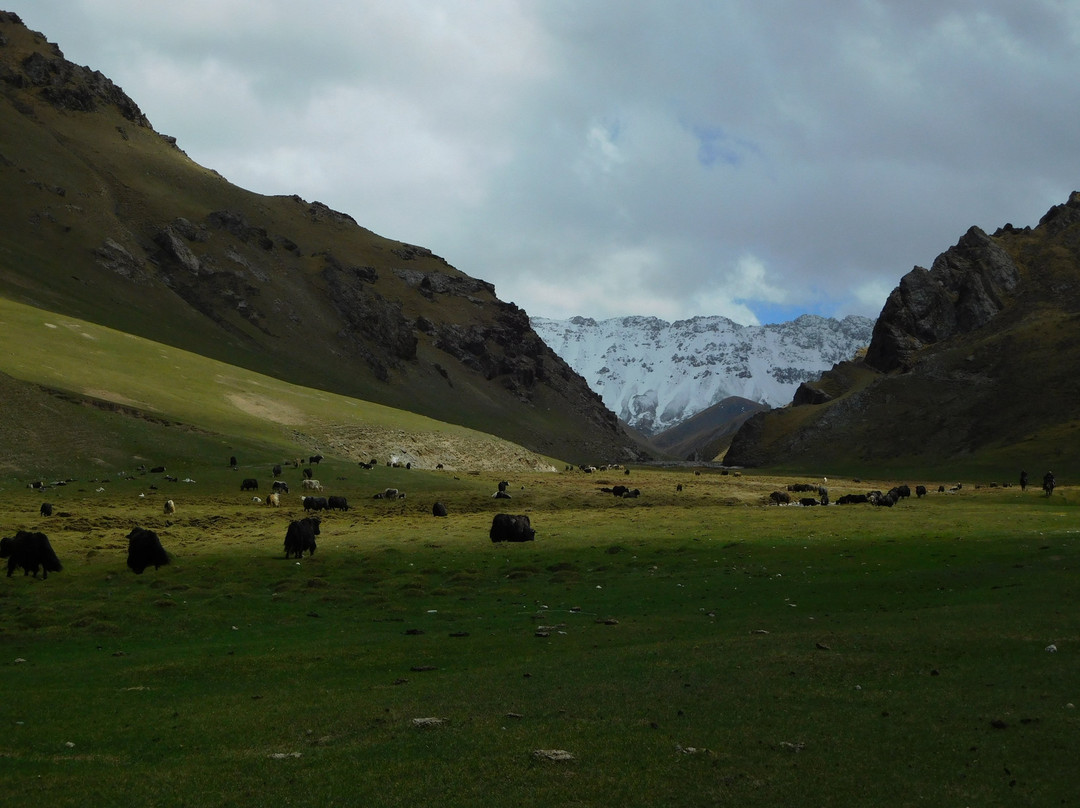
point(110, 221)
point(656, 374)
point(976, 360)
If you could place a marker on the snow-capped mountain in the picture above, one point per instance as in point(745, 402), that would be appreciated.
point(654, 374)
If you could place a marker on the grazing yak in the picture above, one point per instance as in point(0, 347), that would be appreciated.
point(249, 484)
point(301, 536)
point(273, 500)
point(506, 527)
point(170, 506)
point(337, 504)
point(315, 503)
point(280, 486)
point(438, 509)
point(46, 509)
point(311, 485)
point(145, 550)
point(31, 551)
point(780, 497)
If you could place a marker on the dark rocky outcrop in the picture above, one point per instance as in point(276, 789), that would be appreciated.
point(963, 290)
point(979, 356)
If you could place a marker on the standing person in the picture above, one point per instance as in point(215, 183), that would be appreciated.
point(1049, 483)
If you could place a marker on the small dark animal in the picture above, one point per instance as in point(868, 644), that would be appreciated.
point(631, 493)
point(145, 550)
point(337, 504)
point(506, 527)
point(1049, 482)
point(31, 551)
point(315, 459)
point(851, 499)
point(780, 497)
point(281, 486)
point(157, 470)
point(301, 536)
point(920, 491)
point(232, 461)
point(438, 509)
point(276, 470)
point(1023, 480)
point(249, 484)
point(307, 473)
point(808, 502)
point(46, 509)
point(316, 504)
point(503, 485)
point(501, 495)
point(619, 490)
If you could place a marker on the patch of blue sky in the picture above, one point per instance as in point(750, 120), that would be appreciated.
point(716, 145)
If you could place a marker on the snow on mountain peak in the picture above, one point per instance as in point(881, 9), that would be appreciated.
point(654, 374)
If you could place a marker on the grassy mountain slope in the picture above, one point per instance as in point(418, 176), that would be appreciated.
point(707, 435)
point(975, 364)
point(88, 398)
point(109, 221)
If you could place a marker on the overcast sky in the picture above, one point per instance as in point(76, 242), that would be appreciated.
point(757, 159)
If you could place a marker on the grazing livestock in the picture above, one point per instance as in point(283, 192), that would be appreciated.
point(315, 459)
point(170, 506)
point(1023, 480)
point(157, 470)
point(315, 503)
point(438, 509)
point(31, 551)
point(311, 485)
point(631, 493)
point(232, 462)
point(503, 485)
point(281, 487)
point(852, 499)
point(307, 474)
point(273, 500)
point(145, 550)
point(501, 495)
point(301, 536)
point(337, 504)
point(276, 470)
point(1049, 482)
point(920, 491)
point(46, 509)
point(506, 527)
point(808, 502)
point(390, 493)
point(780, 497)
point(249, 484)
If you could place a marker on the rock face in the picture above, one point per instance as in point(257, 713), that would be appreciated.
point(975, 360)
point(962, 291)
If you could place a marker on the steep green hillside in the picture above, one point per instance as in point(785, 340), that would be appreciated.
point(89, 398)
point(109, 221)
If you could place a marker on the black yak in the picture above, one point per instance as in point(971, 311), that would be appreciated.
point(249, 484)
point(46, 509)
point(315, 503)
point(337, 504)
point(145, 550)
point(301, 536)
point(438, 509)
point(31, 551)
point(505, 527)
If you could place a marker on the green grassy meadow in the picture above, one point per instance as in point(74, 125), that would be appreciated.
point(685, 648)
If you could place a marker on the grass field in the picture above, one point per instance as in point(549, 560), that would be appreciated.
point(685, 648)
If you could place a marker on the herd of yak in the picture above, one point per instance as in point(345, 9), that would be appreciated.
point(32, 551)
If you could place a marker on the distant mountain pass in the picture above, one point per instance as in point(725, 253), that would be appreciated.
point(654, 374)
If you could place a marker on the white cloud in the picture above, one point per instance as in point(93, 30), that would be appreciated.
point(652, 158)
